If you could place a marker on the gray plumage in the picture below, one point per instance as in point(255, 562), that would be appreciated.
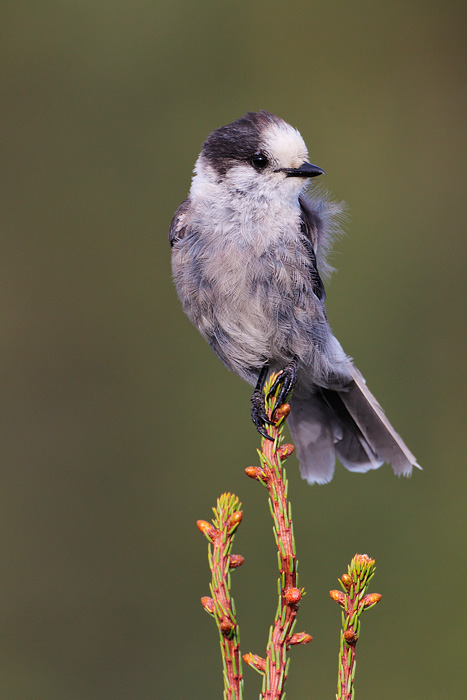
point(248, 252)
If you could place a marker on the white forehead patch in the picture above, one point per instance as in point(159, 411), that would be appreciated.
point(285, 144)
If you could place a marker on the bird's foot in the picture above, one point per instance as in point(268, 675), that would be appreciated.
point(285, 382)
point(258, 413)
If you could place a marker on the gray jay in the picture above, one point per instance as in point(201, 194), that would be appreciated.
point(248, 255)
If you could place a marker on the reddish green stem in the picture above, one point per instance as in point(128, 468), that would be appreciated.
point(273, 475)
point(221, 606)
point(353, 601)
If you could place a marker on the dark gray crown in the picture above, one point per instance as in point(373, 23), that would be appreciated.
point(238, 141)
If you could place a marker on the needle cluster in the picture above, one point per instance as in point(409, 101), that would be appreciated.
point(220, 605)
point(353, 600)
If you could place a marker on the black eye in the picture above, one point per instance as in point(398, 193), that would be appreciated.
point(259, 161)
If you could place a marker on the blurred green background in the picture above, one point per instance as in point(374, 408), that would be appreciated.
point(119, 427)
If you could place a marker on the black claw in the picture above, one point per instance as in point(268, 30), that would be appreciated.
point(262, 431)
point(286, 381)
point(258, 414)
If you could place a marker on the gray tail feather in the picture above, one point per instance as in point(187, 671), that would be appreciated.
point(349, 424)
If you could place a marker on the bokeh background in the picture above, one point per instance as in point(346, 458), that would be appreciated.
point(119, 427)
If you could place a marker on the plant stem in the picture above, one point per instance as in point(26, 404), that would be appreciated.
point(353, 600)
point(227, 516)
point(273, 475)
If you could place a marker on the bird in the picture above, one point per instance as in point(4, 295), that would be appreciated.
point(249, 253)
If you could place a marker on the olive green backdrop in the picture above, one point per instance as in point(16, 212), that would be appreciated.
point(119, 427)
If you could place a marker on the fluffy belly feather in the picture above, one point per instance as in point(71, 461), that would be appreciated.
point(256, 309)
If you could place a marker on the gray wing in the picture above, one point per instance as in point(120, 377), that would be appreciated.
point(178, 226)
point(310, 224)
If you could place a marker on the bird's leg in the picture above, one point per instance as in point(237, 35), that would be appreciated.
point(286, 381)
point(257, 405)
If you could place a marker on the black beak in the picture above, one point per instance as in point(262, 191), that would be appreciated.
point(305, 170)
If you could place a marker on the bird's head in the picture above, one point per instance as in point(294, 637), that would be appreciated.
point(258, 155)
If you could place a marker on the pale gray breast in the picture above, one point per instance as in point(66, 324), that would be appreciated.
point(248, 289)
